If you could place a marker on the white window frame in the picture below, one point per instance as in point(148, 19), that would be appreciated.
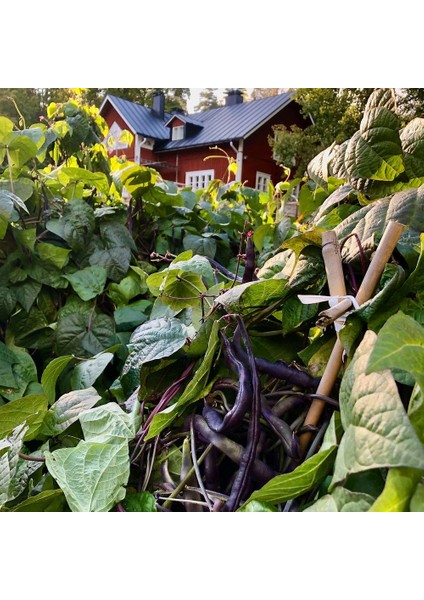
point(199, 180)
point(177, 133)
point(262, 181)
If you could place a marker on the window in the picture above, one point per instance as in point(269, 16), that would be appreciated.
point(199, 180)
point(178, 133)
point(116, 138)
point(262, 180)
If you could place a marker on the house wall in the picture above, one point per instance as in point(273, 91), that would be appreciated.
point(110, 115)
point(193, 160)
point(257, 151)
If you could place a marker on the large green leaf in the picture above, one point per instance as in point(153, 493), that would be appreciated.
point(27, 292)
point(378, 432)
point(30, 410)
point(205, 246)
point(128, 288)
point(13, 477)
point(417, 500)
point(404, 207)
point(291, 485)
point(197, 387)
point(140, 502)
point(401, 483)
point(89, 282)
point(98, 180)
point(76, 225)
point(24, 373)
point(51, 374)
point(67, 409)
point(400, 345)
point(46, 501)
point(180, 290)
point(109, 424)
point(55, 255)
point(91, 475)
point(86, 372)
point(115, 260)
point(82, 330)
point(7, 302)
point(412, 139)
point(254, 294)
point(153, 340)
point(116, 235)
point(342, 500)
point(196, 264)
point(6, 211)
point(21, 149)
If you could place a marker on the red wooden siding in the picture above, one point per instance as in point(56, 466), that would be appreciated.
point(110, 115)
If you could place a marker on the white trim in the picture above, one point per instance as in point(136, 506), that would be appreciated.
point(199, 180)
point(118, 111)
point(240, 157)
point(262, 181)
point(181, 131)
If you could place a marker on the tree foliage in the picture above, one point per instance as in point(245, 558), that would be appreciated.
point(208, 100)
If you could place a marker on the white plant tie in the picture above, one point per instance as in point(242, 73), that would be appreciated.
point(339, 323)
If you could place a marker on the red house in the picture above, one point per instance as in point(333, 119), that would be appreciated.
point(176, 144)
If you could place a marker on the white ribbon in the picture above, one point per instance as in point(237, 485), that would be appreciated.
point(332, 301)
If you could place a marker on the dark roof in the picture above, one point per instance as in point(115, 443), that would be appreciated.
point(222, 124)
point(141, 119)
point(228, 123)
point(184, 118)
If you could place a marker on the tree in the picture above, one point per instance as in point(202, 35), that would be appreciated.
point(411, 102)
point(20, 105)
point(208, 100)
point(331, 115)
point(174, 97)
point(259, 93)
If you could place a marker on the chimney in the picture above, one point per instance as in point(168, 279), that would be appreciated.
point(159, 104)
point(234, 97)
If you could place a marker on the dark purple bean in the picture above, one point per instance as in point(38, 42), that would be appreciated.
point(260, 471)
point(223, 270)
point(250, 265)
point(287, 403)
point(241, 479)
point(280, 428)
point(244, 393)
point(212, 417)
point(211, 470)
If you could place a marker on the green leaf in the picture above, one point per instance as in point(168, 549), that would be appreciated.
point(291, 485)
point(400, 485)
point(29, 410)
point(400, 345)
point(26, 293)
point(7, 303)
point(417, 500)
point(6, 211)
point(92, 476)
point(128, 288)
point(24, 373)
point(195, 264)
point(97, 180)
point(295, 313)
point(416, 411)
point(342, 500)
point(89, 282)
point(54, 255)
point(6, 128)
point(46, 501)
point(116, 261)
point(13, 477)
point(67, 409)
point(141, 502)
point(127, 318)
point(51, 374)
point(116, 235)
point(21, 149)
point(412, 139)
point(180, 289)
point(26, 237)
point(254, 294)
point(109, 424)
point(83, 331)
point(378, 432)
point(255, 506)
point(200, 245)
point(76, 225)
point(85, 373)
point(153, 340)
point(197, 388)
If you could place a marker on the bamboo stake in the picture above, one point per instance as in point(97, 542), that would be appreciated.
point(337, 287)
point(384, 251)
point(372, 276)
